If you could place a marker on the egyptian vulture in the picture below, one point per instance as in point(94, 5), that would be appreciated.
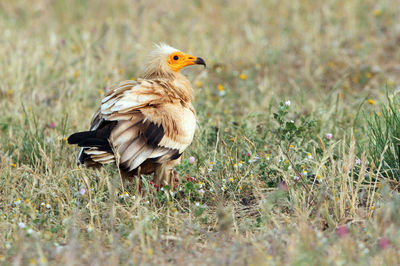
point(145, 125)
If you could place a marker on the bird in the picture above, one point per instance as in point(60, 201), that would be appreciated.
point(144, 125)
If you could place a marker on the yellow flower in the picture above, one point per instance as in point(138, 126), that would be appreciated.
point(13, 165)
point(371, 102)
point(243, 76)
point(232, 139)
point(76, 73)
point(212, 163)
point(150, 252)
point(231, 179)
point(318, 177)
point(378, 113)
point(198, 83)
point(291, 146)
point(220, 87)
point(10, 92)
point(368, 75)
point(43, 260)
point(32, 262)
point(377, 12)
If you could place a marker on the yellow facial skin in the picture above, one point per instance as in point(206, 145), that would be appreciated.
point(178, 60)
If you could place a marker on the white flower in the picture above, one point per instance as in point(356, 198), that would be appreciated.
point(48, 206)
point(17, 201)
point(223, 188)
point(296, 178)
point(287, 103)
point(90, 228)
point(82, 191)
point(21, 225)
point(201, 191)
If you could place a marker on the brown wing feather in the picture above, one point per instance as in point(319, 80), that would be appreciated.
point(153, 125)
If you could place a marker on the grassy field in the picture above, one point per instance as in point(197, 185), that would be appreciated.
point(285, 167)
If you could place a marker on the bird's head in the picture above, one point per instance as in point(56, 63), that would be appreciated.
point(165, 61)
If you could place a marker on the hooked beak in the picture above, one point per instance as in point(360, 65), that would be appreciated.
point(200, 61)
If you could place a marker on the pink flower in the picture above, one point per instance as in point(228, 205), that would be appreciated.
point(296, 178)
point(358, 161)
point(328, 136)
point(342, 231)
point(51, 125)
point(248, 154)
point(192, 159)
point(383, 243)
point(283, 186)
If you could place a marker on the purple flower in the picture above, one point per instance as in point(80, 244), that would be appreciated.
point(192, 159)
point(383, 243)
point(21, 225)
point(283, 186)
point(342, 231)
point(329, 136)
point(51, 125)
point(358, 161)
point(82, 191)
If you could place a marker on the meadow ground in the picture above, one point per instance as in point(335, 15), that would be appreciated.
point(286, 166)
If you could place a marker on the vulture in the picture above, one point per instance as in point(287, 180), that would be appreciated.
point(145, 125)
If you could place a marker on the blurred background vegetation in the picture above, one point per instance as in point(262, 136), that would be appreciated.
point(262, 189)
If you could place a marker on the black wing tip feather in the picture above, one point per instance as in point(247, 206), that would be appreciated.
point(79, 136)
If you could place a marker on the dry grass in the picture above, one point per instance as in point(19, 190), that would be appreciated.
point(327, 57)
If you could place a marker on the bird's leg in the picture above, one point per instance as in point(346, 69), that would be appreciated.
point(166, 175)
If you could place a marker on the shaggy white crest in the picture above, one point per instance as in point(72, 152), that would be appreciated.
point(157, 61)
point(163, 49)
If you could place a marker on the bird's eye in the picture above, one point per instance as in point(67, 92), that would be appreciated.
point(176, 57)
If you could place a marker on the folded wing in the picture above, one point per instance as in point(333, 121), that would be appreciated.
point(141, 124)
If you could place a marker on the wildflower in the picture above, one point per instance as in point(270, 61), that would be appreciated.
point(328, 136)
point(17, 201)
point(342, 231)
point(51, 125)
point(124, 195)
point(198, 84)
point(305, 173)
point(232, 139)
point(318, 177)
point(240, 164)
point(291, 146)
point(283, 186)
point(43, 260)
point(296, 178)
point(201, 191)
point(256, 158)
point(231, 179)
point(358, 161)
point(371, 102)
point(13, 165)
point(10, 92)
point(377, 12)
point(30, 231)
point(309, 156)
point(223, 188)
point(267, 156)
point(368, 75)
point(82, 191)
point(235, 165)
point(212, 163)
point(383, 243)
point(197, 204)
point(243, 76)
point(76, 73)
point(191, 159)
point(287, 103)
point(248, 154)
point(90, 228)
point(48, 206)
point(21, 225)
point(221, 90)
